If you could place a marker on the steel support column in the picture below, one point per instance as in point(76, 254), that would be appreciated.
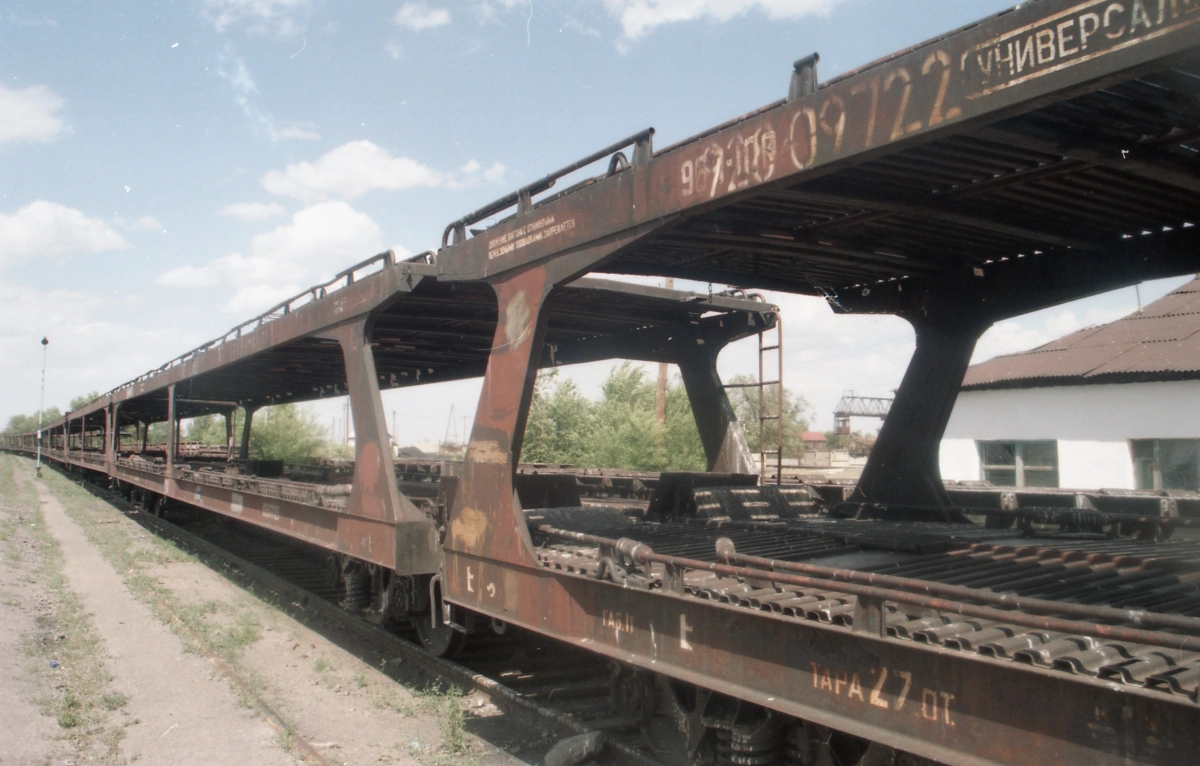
point(229, 434)
point(112, 433)
point(244, 452)
point(170, 473)
point(903, 467)
point(375, 493)
point(724, 443)
point(485, 518)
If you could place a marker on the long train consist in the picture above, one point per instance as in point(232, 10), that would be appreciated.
point(1041, 155)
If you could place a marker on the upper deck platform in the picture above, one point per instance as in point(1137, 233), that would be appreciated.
point(1041, 154)
point(422, 331)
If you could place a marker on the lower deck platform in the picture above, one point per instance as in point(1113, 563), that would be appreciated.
point(1073, 568)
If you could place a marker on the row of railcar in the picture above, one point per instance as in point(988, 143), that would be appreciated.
point(1040, 155)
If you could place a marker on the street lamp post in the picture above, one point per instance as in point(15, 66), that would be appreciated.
point(41, 410)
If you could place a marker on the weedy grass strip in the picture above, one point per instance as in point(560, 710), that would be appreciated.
point(131, 551)
point(67, 656)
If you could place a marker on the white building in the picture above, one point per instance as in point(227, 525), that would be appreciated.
point(1109, 407)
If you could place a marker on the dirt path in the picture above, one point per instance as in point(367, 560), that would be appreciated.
point(26, 735)
point(156, 612)
point(185, 714)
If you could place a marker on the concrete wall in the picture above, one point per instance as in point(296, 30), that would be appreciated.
point(1092, 425)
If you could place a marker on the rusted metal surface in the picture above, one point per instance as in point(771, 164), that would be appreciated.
point(1149, 620)
point(1043, 154)
point(721, 194)
point(394, 327)
point(952, 706)
point(1160, 342)
point(881, 589)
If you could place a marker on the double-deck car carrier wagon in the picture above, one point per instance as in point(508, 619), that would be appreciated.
point(1040, 155)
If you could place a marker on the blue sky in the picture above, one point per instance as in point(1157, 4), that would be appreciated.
point(169, 169)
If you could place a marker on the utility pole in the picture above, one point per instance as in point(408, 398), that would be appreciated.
point(660, 398)
point(41, 411)
point(450, 424)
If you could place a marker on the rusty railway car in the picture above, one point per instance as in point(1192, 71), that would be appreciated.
point(1044, 154)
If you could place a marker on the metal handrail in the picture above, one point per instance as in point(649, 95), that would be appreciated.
point(345, 277)
point(642, 153)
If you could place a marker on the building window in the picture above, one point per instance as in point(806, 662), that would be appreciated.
point(1020, 464)
point(1166, 463)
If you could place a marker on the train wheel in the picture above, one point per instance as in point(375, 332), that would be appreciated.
point(333, 572)
point(438, 637)
point(672, 715)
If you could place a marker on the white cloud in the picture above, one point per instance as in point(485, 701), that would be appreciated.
point(295, 132)
point(90, 349)
point(233, 69)
point(326, 233)
point(488, 10)
point(417, 16)
point(637, 17)
point(145, 223)
point(29, 114)
point(353, 169)
point(314, 244)
point(261, 15)
point(46, 228)
point(253, 299)
point(575, 25)
point(393, 49)
point(495, 173)
point(253, 211)
point(189, 276)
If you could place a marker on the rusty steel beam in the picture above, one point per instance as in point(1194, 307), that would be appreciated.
point(927, 595)
point(1038, 53)
point(935, 702)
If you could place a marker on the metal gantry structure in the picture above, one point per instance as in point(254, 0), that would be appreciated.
point(1039, 155)
point(852, 405)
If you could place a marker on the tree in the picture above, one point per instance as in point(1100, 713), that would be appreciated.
point(286, 432)
point(626, 434)
point(79, 402)
point(618, 431)
point(560, 423)
point(210, 429)
point(24, 424)
point(796, 411)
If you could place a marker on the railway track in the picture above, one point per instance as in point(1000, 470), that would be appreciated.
point(538, 683)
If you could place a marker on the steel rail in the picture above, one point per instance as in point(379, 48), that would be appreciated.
point(727, 552)
point(1049, 513)
point(642, 554)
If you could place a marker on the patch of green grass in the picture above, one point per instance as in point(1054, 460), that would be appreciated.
point(113, 701)
point(320, 665)
point(360, 680)
point(69, 720)
point(7, 527)
point(67, 655)
point(388, 700)
point(451, 723)
point(445, 701)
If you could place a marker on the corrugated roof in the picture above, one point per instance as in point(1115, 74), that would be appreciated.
point(1161, 342)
